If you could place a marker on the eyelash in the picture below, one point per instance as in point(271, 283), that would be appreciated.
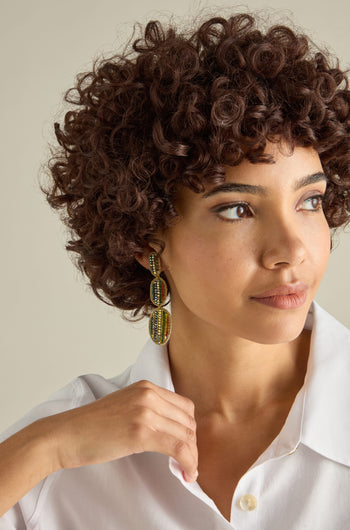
point(320, 198)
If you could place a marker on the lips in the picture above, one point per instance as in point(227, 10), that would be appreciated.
point(284, 290)
point(289, 296)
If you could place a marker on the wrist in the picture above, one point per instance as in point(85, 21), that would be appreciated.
point(43, 440)
point(26, 458)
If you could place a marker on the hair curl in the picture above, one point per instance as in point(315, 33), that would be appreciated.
point(169, 111)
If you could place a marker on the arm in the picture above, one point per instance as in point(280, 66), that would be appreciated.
point(25, 459)
point(141, 417)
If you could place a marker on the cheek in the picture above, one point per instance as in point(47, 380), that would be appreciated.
point(319, 248)
point(205, 270)
point(184, 259)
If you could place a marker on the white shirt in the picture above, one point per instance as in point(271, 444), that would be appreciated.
point(300, 482)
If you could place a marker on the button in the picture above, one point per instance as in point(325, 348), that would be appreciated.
point(248, 502)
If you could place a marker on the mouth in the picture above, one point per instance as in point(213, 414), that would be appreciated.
point(289, 296)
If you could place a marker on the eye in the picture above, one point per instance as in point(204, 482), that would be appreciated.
point(314, 203)
point(234, 212)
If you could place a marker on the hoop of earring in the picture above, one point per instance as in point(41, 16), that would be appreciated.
point(160, 318)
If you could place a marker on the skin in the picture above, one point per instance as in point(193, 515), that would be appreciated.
point(236, 364)
point(141, 417)
point(214, 267)
point(241, 362)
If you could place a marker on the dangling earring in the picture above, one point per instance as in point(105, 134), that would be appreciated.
point(160, 319)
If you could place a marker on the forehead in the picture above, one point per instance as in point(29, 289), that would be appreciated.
point(290, 171)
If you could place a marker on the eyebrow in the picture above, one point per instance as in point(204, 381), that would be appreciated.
point(228, 187)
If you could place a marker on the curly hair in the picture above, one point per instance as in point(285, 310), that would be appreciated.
point(170, 111)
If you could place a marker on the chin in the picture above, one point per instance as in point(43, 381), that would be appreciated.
point(275, 326)
point(278, 331)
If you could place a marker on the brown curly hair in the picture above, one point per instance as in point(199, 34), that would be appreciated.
point(170, 111)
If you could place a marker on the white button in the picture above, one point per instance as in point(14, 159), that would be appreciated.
point(248, 502)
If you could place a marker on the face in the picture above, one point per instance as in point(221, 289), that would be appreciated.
point(235, 244)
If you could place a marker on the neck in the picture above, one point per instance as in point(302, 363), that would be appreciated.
point(231, 376)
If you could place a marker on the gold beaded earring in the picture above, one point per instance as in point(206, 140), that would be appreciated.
point(160, 319)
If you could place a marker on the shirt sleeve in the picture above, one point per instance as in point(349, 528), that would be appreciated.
point(13, 519)
point(75, 394)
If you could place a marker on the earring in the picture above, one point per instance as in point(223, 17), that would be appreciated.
point(160, 319)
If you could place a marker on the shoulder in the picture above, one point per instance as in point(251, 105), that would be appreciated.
point(80, 391)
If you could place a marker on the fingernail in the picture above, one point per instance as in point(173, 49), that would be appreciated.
point(185, 476)
point(188, 478)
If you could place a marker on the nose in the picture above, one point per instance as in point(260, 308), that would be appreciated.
point(283, 246)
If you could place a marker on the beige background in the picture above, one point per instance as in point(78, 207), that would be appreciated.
point(52, 327)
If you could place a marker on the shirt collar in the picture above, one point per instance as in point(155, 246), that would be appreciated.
point(326, 419)
point(319, 417)
point(153, 364)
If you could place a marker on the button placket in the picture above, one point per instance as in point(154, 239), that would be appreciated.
point(245, 503)
point(248, 502)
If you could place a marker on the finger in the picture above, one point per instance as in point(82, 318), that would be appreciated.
point(150, 419)
point(164, 424)
point(153, 401)
point(173, 412)
point(182, 402)
point(183, 452)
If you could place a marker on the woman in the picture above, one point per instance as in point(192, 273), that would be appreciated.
point(217, 162)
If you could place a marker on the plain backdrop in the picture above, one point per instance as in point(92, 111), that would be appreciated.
point(53, 328)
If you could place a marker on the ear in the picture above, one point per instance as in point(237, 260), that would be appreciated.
point(143, 258)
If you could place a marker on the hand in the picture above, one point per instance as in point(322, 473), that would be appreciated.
point(141, 417)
